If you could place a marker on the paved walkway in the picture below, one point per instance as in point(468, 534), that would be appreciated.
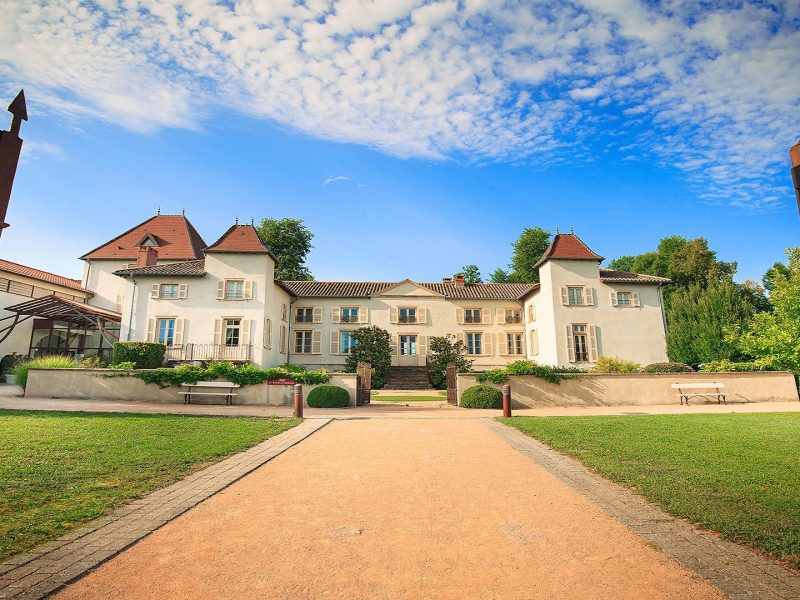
point(383, 508)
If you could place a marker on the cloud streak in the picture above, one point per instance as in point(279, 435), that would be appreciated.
point(712, 93)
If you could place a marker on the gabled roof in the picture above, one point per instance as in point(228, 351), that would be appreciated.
point(612, 276)
point(241, 238)
point(18, 269)
point(568, 246)
point(176, 237)
point(187, 268)
point(367, 289)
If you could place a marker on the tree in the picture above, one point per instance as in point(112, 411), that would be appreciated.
point(373, 346)
point(698, 318)
point(290, 241)
point(443, 350)
point(528, 249)
point(498, 276)
point(778, 267)
point(623, 263)
point(471, 273)
point(773, 338)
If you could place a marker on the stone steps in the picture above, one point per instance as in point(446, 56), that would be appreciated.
point(408, 378)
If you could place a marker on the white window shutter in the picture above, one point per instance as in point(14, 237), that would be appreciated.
point(533, 347)
point(244, 338)
point(154, 290)
point(460, 316)
point(218, 332)
point(501, 316)
point(564, 296)
point(588, 296)
point(336, 313)
point(183, 291)
point(221, 290)
point(422, 345)
point(248, 290)
point(422, 315)
point(486, 316)
point(151, 330)
point(393, 345)
point(570, 345)
point(592, 343)
point(394, 315)
point(284, 311)
point(334, 346)
point(268, 333)
point(502, 344)
point(177, 338)
point(283, 339)
point(317, 314)
point(118, 305)
point(613, 298)
point(363, 314)
point(316, 342)
point(531, 313)
point(487, 344)
point(635, 299)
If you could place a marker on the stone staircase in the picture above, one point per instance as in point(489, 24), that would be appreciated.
point(408, 378)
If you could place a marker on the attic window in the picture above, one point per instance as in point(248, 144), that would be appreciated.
point(148, 240)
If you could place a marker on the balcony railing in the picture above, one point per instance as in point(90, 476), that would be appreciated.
point(207, 352)
point(304, 319)
point(513, 319)
point(408, 319)
point(349, 319)
point(476, 319)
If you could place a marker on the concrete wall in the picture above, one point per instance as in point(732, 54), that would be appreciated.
point(91, 384)
point(640, 389)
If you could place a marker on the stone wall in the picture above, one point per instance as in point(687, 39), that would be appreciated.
point(95, 383)
point(640, 389)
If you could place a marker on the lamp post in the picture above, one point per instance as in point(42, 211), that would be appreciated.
point(794, 157)
point(10, 147)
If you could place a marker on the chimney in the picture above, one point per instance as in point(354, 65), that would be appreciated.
point(447, 280)
point(147, 257)
point(458, 280)
point(794, 157)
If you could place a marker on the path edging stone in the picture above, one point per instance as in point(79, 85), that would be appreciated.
point(737, 571)
point(52, 565)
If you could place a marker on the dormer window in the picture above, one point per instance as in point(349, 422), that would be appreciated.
point(149, 240)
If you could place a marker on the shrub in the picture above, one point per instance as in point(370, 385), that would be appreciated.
point(42, 362)
point(145, 355)
point(328, 396)
point(668, 367)
point(482, 396)
point(373, 346)
point(527, 367)
point(124, 366)
point(245, 375)
point(612, 364)
point(727, 366)
point(93, 362)
point(443, 350)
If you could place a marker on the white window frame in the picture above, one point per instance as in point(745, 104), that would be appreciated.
point(470, 352)
point(513, 315)
point(349, 336)
point(410, 317)
point(577, 332)
point(167, 342)
point(305, 309)
point(471, 320)
point(515, 345)
point(305, 333)
point(163, 286)
point(576, 288)
point(235, 296)
point(228, 323)
point(352, 316)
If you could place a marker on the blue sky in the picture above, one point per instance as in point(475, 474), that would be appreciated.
point(412, 137)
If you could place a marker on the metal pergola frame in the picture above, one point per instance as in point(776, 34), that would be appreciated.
point(60, 309)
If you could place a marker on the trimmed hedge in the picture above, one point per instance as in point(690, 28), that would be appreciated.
point(482, 396)
point(328, 396)
point(668, 367)
point(728, 366)
point(145, 355)
point(612, 364)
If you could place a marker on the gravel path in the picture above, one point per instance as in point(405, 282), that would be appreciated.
point(386, 508)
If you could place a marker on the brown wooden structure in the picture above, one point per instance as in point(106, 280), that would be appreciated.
point(452, 390)
point(10, 148)
point(363, 383)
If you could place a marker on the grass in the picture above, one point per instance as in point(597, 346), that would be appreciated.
point(409, 399)
point(736, 474)
point(61, 469)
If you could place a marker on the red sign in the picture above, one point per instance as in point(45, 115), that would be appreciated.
point(282, 381)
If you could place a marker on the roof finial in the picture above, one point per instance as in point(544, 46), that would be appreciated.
point(237, 219)
point(158, 212)
point(571, 231)
point(183, 211)
point(253, 221)
point(557, 231)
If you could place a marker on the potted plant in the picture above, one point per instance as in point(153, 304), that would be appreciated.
point(8, 364)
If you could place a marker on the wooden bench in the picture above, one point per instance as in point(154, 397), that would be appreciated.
point(209, 388)
point(685, 391)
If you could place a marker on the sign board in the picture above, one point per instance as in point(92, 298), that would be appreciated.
point(282, 381)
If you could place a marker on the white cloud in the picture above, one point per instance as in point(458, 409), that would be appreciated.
point(32, 150)
point(334, 179)
point(476, 80)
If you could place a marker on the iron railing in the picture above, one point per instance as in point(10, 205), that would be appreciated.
point(407, 319)
point(206, 352)
point(349, 319)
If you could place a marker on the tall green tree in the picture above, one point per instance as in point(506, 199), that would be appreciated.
point(773, 338)
point(373, 346)
point(443, 350)
point(290, 241)
point(769, 276)
point(528, 249)
point(471, 273)
point(498, 276)
point(623, 263)
point(698, 317)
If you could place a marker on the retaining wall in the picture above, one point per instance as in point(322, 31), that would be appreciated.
point(639, 389)
point(96, 384)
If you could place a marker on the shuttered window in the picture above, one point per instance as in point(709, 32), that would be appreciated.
point(346, 342)
point(514, 343)
point(302, 342)
point(474, 343)
point(304, 314)
point(472, 315)
point(268, 333)
point(165, 331)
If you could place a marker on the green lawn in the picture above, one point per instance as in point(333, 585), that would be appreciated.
point(61, 469)
point(738, 474)
point(409, 398)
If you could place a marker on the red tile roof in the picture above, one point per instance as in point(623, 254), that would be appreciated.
point(240, 238)
point(18, 269)
point(187, 268)
point(367, 289)
point(612, 276)
point(570, 246)
point(176, 237)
